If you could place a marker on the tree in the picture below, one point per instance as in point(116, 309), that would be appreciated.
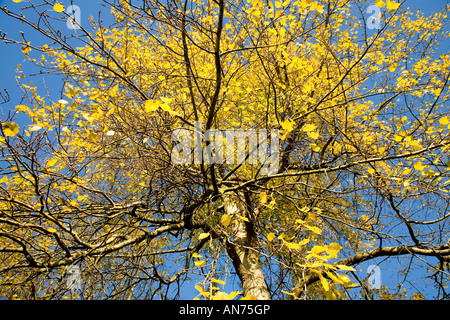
point(363, 153)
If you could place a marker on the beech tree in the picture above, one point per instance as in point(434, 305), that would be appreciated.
point(361, 105)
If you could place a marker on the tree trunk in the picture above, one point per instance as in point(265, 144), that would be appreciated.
point(243, 249)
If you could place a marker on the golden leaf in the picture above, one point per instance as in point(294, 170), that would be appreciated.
point(203, 235)
point(344, 267)
point(58, 7)
point(263, 197)
point(379, 3)
point(309, 127)
point(10, 129)
point(392, 6)
point(52, 162)
point(217, 281)
point(199, 263)
point(324, 282)
point(444, 120)
point(225, 220)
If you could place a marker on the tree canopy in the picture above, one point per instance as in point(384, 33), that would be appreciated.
point(363, 170)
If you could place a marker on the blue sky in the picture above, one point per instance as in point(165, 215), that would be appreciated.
point(11, 56)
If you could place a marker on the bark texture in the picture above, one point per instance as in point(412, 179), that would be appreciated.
point(242, 248)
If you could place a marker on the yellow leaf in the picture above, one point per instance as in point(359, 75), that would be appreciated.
point(249, 298)
point(52, 230)
point(344, 267)
point(288, 293)
point(379, 3)
point(166, 106)
point(17, 1)
point(315, 147)
point(346, 280)
point(152, 105)
point(295, 245)
point(199, 263)
point(58, 7)
point(291, 245)
point(314, 135)
point(88, 117)
point(303, 242)
point(306, 3)
point(263, 197)
point(22, 107)
point(334, 247)
point(199, 288)
point(444, 120)
point(203, 235)
point(309, 127)
point(392, 6)
point(314, 229)
point(10, 129)
point(334, 278)
point(220, 295)
point(233, 295)
point(418, 166)
point(217, 281)
point(324, 282)
point(244, 218)
point(225, 220)
point(93, 137)
point(288, 125)
point(371, 170)
point(166, 100)
point(202, 292)
point(282, 236)
point(52, 162)
point(270, 236)
point(330, 295)
point(196, 255)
